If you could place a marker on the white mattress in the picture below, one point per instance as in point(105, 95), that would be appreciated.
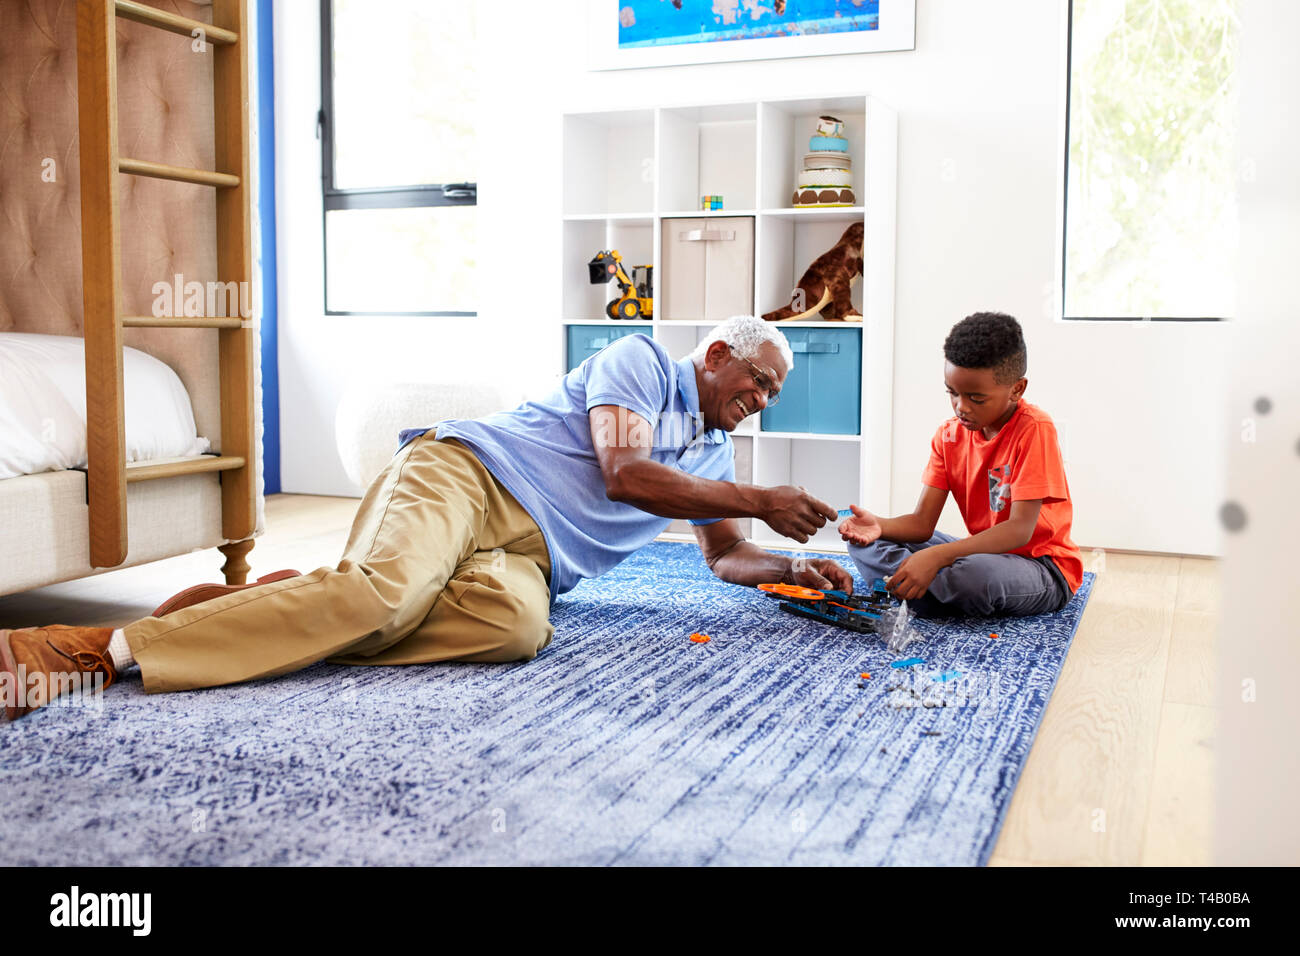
point(46, 525)
point(43, 406)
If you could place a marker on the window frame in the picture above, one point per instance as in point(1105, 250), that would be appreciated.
point(1065, 207)
point(375, 197)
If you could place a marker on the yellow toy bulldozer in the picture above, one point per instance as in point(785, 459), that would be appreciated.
point(637, 298)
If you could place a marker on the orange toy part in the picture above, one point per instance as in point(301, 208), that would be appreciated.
point(698, 638)
point(993, 635)
point(792, 591)
point(865, 676)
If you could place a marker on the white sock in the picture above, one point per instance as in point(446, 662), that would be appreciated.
point(120, 651)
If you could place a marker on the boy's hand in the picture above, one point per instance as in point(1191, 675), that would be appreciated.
point(913, 577)
point(820, 573)
point(863, 528)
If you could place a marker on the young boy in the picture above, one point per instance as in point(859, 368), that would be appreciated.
point(1000, 458)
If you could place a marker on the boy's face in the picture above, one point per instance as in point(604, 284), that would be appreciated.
point(977, 399)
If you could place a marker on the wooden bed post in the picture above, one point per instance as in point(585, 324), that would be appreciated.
point(101, 289)
point(236, 567)
point(234, 264)
point(107, 474)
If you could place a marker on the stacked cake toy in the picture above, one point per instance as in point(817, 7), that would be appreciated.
point(827, 176)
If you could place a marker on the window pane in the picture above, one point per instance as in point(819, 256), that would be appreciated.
point(401, 260)
point(404, 92)
point(1151, 195)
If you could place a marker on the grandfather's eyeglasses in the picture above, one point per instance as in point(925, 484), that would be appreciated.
point(766, 382)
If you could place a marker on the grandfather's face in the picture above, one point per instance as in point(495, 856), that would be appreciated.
point(732, 389)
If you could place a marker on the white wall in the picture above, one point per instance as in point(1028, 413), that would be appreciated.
point(979, 105)
point(1257, 763)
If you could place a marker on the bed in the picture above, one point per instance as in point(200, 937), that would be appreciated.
point(169, 94)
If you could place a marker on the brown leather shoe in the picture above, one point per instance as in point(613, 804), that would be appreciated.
point(206, 592)
point(40, 663)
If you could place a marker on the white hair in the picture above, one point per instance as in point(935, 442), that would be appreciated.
point(745, 334)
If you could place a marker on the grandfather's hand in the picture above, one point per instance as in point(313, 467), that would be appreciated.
point(820, 573)
point(792, 512)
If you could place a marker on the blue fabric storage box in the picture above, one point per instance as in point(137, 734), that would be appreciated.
point(586, 340)
point(823, 393)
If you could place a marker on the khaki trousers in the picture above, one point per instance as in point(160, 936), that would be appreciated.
point(442, 563)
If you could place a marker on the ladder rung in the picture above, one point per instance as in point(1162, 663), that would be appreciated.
point(184, 174)
point(152, 16)
point(180, 322)
point(147, 471)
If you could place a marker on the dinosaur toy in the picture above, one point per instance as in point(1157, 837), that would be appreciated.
point(824, 289)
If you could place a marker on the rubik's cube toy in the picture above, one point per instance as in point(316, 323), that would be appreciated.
point(710, 202)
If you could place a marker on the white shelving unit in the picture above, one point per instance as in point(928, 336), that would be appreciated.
point(626, 171)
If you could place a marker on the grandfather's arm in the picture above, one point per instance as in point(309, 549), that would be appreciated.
point(622, 440)
point(738, 561)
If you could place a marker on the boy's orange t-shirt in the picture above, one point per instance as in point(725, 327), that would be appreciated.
point(1022, 462)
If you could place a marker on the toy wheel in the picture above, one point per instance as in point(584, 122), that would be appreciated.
point(611, 309)
point(629, 309)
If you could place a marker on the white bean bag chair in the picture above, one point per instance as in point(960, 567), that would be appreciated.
point(370, 416)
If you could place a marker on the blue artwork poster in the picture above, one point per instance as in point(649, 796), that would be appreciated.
point(657, 23)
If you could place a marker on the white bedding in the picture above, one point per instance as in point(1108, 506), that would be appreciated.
point(43, 406)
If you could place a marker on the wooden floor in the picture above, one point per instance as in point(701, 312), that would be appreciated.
point(1120, 773)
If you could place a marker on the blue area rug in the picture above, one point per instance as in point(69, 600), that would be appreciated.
point(621, 743)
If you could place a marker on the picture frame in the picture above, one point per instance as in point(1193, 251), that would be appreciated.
point(896, 31)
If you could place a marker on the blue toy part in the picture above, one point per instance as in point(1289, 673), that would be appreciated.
point(946, 676)
point(845, 513)
point(828, 144)
point(907, 663)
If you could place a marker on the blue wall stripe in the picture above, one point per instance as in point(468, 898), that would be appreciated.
point(266, 209)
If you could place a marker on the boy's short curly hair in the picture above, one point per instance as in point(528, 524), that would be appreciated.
point(988, 340)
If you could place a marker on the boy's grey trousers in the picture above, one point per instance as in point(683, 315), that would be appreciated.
point(982, 585)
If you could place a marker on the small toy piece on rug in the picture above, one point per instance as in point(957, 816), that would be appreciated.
point(698, 638)
point(907, 663)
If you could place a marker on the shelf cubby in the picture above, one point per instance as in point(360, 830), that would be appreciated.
point(786, 128)
point(707, 151)
point(787, 245)
point(609, 162)
point(829, 470)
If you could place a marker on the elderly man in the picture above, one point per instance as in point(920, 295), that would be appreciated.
point(462, 544)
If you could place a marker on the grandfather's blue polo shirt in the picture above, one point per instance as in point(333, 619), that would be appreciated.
point(542, 453)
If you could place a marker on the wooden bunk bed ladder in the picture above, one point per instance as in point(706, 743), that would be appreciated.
point(107, 473)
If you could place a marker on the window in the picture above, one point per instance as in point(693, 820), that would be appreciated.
point(397, 156)
point(1150, 209)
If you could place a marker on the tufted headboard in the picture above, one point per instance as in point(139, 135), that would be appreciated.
point(165, 114)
